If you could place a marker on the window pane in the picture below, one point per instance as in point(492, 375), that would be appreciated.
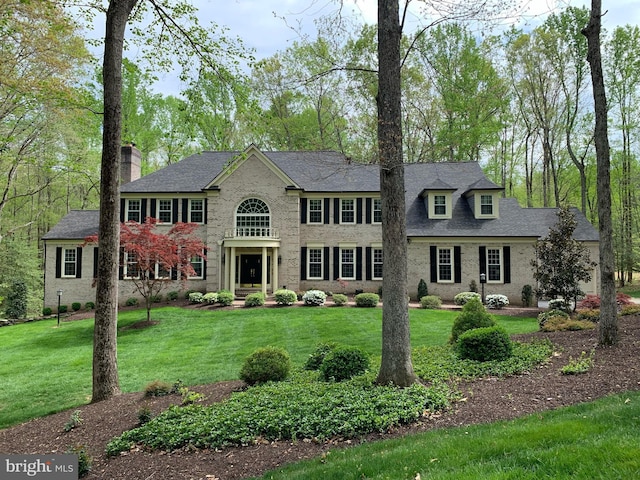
point(164, 211)
point(493, 264)
point(440, 205)
point(197, 263)
point(70, 262)
point(377, 263)
point(196, 214)
point(133, 211)
point(348, 211)
point(347, 266)
point(315, 210)
point(315, 262)
point(444, 265)
point(377, 210)
point(486, 204)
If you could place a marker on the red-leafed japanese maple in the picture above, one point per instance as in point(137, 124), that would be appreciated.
point(151, 258)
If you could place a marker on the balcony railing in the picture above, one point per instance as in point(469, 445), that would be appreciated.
point(253, 232)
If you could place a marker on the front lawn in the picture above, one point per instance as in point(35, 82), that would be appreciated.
point(47, 369)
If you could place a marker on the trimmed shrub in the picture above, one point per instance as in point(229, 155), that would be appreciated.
point(423, 290)
point(463, 298)
point(157, 388)
point(368, 300)
point(210, 298)
point(131, 302)
point(285, 297)
point(225, 298)
point(527, 295)
point(256, 299)
point(432, 302)
point(630, 310)
point(268, 364)
point(314, 298)
point(89, 306)
point(343, 363)
point(544, 317)
point(46, 311)
point(562, 324)
point(496, 301)
point(156, 298)
point(75, 306)
point(317, 357)
point(62, 309)
point(473, 286)
point(339, 299)
point(172, 296)
point(473, 315)
point(196, 297)
point(593, 301)
point(484, 344)
point(592, 315)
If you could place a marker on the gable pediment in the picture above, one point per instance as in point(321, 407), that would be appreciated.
point(238, 160)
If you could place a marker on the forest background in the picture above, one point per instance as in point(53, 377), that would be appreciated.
point(518, 102)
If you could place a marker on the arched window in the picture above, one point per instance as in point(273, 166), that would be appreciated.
point(253, 219)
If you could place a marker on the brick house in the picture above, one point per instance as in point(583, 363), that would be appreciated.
point(302, 220)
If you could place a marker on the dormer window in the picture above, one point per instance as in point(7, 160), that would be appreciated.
point(486, 204)
point(439, 205)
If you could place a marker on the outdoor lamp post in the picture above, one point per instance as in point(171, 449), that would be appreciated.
point(59, 298)
point(483, 280)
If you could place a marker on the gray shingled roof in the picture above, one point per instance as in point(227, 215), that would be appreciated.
point(329, 172)
point(75, 225)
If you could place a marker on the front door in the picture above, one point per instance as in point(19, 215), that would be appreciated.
point(250, 270)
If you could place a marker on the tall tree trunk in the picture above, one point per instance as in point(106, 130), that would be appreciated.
point(105, 358)
point(608, 330)
point(396, 366)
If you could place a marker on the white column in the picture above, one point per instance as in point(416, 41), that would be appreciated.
point(264, 270)
point(232, 270)
point(227, 262)
point(274, 262)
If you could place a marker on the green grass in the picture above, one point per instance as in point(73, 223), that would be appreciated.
point(46, 369)
point(598, 440)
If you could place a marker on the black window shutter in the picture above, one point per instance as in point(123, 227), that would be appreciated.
point(204, 269)
point(433, 263)
point(143, 210)
point(457, 265)
point(325, 261)
point(368, 261)
point(78, 262)
point(122, 212)
point(303, 210)
point(359, 210)
point(95, 262)
point(368, 208)
point(153, 213)
point(58, 262)
point(336, 262)
point(185, 210)
point(336, 210)
point(327, 204)
point(174, 207)
point(303, 263)
point(174, 273)
point(482, 254)
point(204, 214)
point(506, 252)
point(121, 267)
point(358, 263)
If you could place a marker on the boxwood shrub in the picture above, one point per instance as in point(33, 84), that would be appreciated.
point(343, 363)
point(339, 299)
point(463, 298)
point(430, 302)
point(473, 315)
point(484, 344)
point(256, 299)
point(268, 364)
point(285, 297)
point(225, 298)
point(368, 300)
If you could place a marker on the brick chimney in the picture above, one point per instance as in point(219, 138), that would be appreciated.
point(130, 158)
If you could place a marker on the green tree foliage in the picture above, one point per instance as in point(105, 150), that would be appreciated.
point(561, 262)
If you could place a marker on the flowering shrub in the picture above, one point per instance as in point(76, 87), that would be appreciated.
point(196, 297)
point(496, 301)
point(593, 301)
point(559, 304)
point(314, 298)
point(285, 297)
point(463, 297)
point(210, 298)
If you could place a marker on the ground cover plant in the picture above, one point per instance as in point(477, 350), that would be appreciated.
point(181, 338)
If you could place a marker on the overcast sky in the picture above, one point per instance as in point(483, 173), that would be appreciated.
point(268, 26)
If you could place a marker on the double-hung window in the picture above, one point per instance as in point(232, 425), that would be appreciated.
point(134, 211)
point(347, 210)
point(440, 205)
point(69, 262)
point(314, 263)
point(377, 210)
point(445, 265)
point(486, 204)
point(131, 269)
point(494, 265)
point(165, 210)
point(196, 210)
point(315, 210)
point(348, 263)
point(197, 262)
point(376, 263)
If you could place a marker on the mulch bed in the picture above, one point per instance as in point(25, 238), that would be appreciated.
point(615, 370)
